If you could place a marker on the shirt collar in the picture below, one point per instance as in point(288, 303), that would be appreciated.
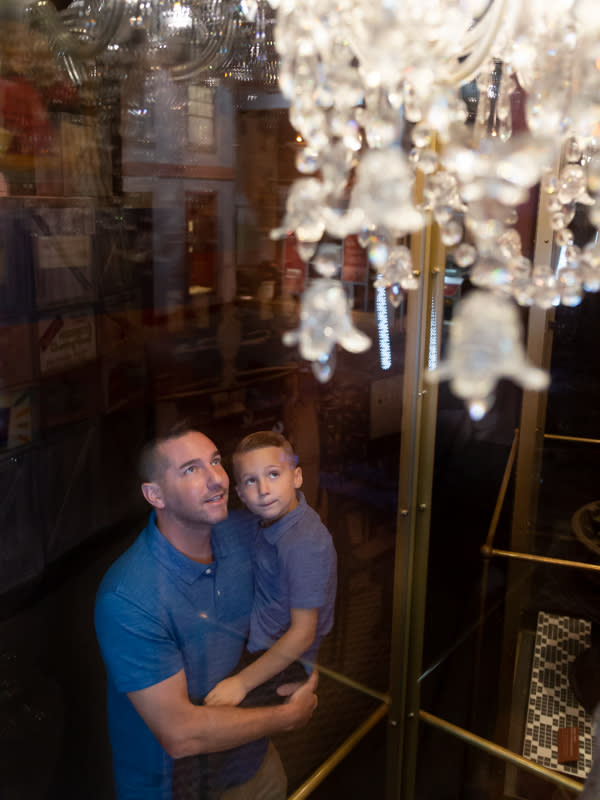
point(186, 568)
point(275, 531)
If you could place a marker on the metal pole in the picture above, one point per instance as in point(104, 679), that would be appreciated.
point(583, 439)
point(343, 750)
point(559, 562)
point(419, 416)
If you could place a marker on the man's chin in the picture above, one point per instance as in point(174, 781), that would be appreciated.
point(220, 514)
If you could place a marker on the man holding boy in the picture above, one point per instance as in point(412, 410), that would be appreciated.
point(171, 617)
point(295, 573)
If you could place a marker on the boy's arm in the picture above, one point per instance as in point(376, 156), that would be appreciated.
point(185, 729)
point(288, 648)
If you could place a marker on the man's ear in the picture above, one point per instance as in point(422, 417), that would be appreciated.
point(153, 495)
point(297, 477)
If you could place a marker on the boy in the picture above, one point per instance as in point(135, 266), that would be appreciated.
point(295, 574)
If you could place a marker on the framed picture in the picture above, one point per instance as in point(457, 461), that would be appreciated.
point(63, 242)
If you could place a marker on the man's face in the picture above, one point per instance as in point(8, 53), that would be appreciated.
point(266, 482)
point(194, 487)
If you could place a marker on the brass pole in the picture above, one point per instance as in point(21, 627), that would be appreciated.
point(501, 752)
point(583, 439)
point(502, 493)
point(527, 475)
point(343, 750)
point(559, 562)
point(486, 551)
point(417, 441)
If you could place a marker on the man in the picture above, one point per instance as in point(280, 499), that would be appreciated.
point(172, 615)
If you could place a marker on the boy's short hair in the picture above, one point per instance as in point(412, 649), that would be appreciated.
point(151, 464)
point(261, 439)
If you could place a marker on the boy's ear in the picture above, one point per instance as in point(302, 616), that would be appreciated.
point(153, 495)
point(297, 477)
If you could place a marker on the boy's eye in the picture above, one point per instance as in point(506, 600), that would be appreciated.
point(274, 473)
point(249, 482)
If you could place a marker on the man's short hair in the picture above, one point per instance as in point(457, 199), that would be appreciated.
point(261, 439)
point(151, 464)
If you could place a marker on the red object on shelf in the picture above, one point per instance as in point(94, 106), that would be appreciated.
point(568, 745)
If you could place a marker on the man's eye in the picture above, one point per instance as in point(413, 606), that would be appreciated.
point(216, 461)
point(189, 470)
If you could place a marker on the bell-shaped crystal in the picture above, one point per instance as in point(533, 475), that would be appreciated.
point(324, 321)
point(484, 346)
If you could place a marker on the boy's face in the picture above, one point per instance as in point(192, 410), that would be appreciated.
point(266, 482)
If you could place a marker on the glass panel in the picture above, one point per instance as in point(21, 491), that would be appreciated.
point(502, 633)
point(139, 286)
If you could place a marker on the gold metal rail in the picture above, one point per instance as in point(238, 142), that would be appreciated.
point(488, 550)
point(501, 752)
point(583, 439)
point(343, 750)
point(352, 684)
point(502, 493)
point(561, 562)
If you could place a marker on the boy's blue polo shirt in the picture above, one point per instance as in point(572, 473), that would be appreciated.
point(295, 566)
point(157, 612)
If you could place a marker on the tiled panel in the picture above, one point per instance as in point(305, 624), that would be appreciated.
point(552, 704)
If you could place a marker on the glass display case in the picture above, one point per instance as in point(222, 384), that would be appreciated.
point(148, 275)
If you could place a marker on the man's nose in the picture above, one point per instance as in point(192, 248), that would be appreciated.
point(217, 476)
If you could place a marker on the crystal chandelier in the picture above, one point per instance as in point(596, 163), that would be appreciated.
point(363, 78)
point(377, 91)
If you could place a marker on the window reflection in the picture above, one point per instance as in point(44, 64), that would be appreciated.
point(138, 284)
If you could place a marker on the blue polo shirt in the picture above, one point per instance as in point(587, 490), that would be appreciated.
point(157, 612)
point(295, 566)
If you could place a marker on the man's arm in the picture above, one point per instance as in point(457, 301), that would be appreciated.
point(184, 729)
point(287, 649)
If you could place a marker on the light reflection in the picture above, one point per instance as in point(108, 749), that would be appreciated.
point(383, 328)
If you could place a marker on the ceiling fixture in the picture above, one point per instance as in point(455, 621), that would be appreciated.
point(362, 80)
point(364, 77)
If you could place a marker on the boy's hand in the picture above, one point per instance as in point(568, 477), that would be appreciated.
point(229, 692)
point(303, 701)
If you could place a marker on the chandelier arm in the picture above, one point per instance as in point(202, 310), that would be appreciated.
point(475, 32)
point(192, 69)
point(195, 69)
point(63, 40)
point(468, 69)
point(472, 37)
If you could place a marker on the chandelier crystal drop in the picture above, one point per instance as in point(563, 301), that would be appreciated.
point(486, 346)
point(324, 322)
point(385, 91)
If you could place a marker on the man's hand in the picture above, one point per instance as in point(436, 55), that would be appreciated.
point(303, 701)
point(229, 692)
